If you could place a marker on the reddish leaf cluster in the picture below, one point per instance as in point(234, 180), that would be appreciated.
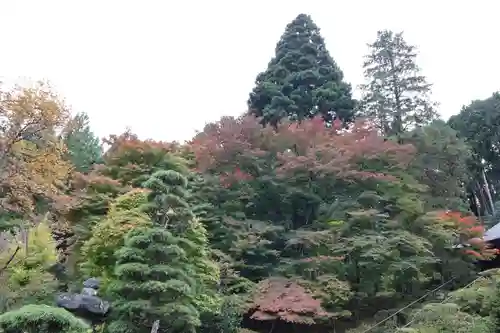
point(95, 182)
point(228, 141)
point(129, 158)
point(227, 179)
point(281, 299)
point(128, 144)
point(471, 232)
point(483, 254)
point(308, 146)
point(466, 225)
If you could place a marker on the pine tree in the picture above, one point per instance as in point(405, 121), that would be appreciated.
point(154, 281)
point(84, 148)
point(167, 200)
point(396, 95)
point(169, 208)
point(302, 80)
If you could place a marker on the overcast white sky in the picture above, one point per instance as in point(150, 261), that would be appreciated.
point(165, 68)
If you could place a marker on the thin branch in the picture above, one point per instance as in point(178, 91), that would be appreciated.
point(10, 260)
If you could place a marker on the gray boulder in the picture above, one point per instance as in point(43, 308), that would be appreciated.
point(83, 303)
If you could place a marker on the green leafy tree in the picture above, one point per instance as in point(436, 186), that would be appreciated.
point(441, 163)
point(219, 210)
point(227, 320)
point(213, 208)
point(154, 281)
point(382, 256)
point(495, 313)
point(27, 279)
point(478, 123)
point(95, 194)
point(84, 147)
point(396, 95)
point(108, 235)
point(340, 211)
point(480, 298)
point(447, 318)
point(302, 80)
point(41, 319)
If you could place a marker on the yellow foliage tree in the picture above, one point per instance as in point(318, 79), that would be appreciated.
point(26, 279)
point(32, 164)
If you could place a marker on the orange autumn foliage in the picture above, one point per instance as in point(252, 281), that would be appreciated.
point(466, 225)
point(238, 144)
point(129, 158)
point(470, 232)
point(128, 143)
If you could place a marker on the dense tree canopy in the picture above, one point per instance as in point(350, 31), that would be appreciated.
point(477, 123)
point(31, 156)
point(302, 80)
point(300, 214)
point(153, 280)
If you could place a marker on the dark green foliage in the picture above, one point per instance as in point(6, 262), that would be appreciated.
point(481, 297)
point(302, 80)
point(167, 199)
point(440, 164)
point(396, 96)
point(479, 123)
point(154, 281)
point(84, 148)
point(169, 208)
point(257, 248)
point(208, 204)
point(228, 320)
point(218, 211)
point(447, 318)
point(495, 314)
point(41, 319)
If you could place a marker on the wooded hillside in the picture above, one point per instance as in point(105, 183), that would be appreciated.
point(311, 212)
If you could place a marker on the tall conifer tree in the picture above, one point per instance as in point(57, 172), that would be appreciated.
point(84, 147)
point(154, 281)
point(302, 80)
point(396, 96)
point(169, 208)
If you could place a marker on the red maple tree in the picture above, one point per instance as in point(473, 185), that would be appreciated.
point(282, 299)
point(470, 232)
point(129, 157)
point(129, 144)
point(310, 146)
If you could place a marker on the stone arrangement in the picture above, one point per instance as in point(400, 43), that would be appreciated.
point(86, 304)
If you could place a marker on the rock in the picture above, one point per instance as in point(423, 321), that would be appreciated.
point(92, 283)
point(83, 303)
